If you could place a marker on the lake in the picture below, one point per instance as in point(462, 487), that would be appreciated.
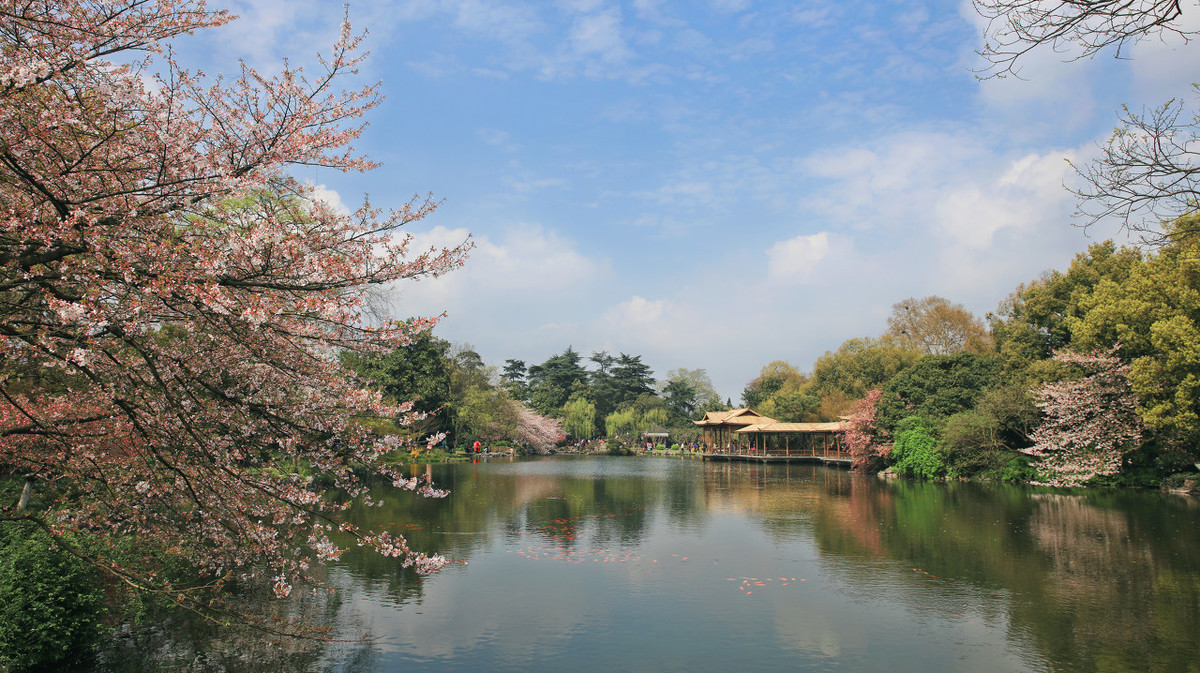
point(675, 564)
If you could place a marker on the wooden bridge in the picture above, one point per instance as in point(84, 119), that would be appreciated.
point(744, 434)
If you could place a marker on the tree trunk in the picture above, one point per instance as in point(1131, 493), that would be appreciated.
point(26, 491)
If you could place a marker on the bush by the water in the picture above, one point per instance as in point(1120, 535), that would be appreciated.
point(51, 603)
point(916, 452)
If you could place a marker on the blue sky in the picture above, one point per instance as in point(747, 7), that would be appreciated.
point(711, 184)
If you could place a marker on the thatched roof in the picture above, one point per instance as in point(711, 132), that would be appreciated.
point(775, 427)
point(733, 417)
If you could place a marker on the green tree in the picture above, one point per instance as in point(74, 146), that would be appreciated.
point(706, 397)
point(680, 397)
point(632, 378)
point(484, 412)
point(1010, 406)
point(51, 602)
point(603, 388)
point(971, 445)
point(916, 451)
point(1035, 320)
point(551, 383)
point(512, 379)
point(622, 424)
point(420, 371)
point(579, 418)
point(937, 387)
point(1154, 317)
point(652, 418)
point(791, 404)
point(604, 361)
point(770, 380)
point(843, 376)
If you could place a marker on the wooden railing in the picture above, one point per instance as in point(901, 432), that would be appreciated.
point(801, 452)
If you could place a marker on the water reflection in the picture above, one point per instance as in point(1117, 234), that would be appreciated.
point(662, 564)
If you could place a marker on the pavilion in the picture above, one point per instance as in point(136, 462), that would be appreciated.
point(744, 434)
point(719, 427)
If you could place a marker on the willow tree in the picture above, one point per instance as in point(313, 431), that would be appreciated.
point(579, 418)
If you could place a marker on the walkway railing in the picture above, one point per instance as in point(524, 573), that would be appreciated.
point(830, 453)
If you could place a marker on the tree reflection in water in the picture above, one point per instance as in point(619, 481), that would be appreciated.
point(568, 557)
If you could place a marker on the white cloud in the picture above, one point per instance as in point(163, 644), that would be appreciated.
point(636, 312)
point(1162, 69)
point(652, 10)
point(497, 138)
point(331, 198)
point(434, 67)
point(497, 20)
point(526, 267)
point(730, 6)
point(1051, 92)
point(948, 213)
point(529, 186)
point(599, 34)
point(692, 193)
point(1032, 186)
point(796, 260)
point(810, 15)
point(582, 5)
point(893, 178)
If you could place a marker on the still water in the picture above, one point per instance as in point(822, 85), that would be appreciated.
point(659, 564)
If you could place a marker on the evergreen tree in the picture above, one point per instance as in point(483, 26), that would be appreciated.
point(632, 378)
point(551, 382)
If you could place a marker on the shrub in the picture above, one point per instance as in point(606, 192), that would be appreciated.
point(50, 602)
point(616, 448)
point(916, 453)
point(1019, 471)
point(1182, 481)
point(971, 445)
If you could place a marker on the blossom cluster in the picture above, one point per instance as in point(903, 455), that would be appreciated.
point(859, 436)
point(172, 300)
point(1090, 423)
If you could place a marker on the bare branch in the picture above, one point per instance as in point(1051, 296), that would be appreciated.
point(1076, 28)
point(1147, 174)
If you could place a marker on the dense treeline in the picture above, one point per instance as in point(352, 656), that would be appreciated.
point(457, 394)
point(535, 406)
point(1088, 375)
point(618, 398)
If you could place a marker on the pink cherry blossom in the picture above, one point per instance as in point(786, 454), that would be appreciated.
point(173, 300)
point(1090, 423)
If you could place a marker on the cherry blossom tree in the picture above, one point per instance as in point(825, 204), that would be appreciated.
point(172, 301)
point(1090, 423)
point(541, 432)
point(860, 434)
